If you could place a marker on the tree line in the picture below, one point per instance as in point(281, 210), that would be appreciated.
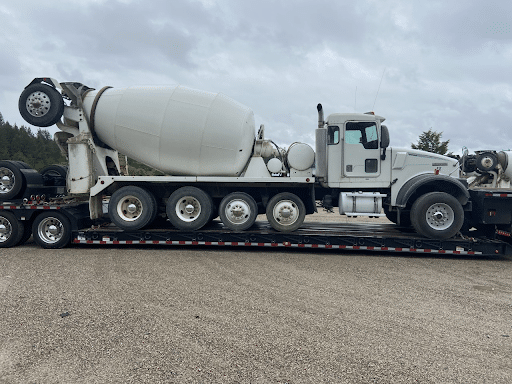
point(37, 149)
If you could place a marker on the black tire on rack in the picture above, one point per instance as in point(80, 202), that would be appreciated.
point(55, 175)
point(11, 180)
point(52, 230)
point(11, 230)
point(41, 105)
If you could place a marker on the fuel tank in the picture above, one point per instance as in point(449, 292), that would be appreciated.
point(177, 130)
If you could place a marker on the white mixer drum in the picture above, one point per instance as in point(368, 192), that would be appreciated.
point(177, 130)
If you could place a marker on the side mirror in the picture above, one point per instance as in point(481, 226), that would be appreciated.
point(384, 141)
point(384, 136)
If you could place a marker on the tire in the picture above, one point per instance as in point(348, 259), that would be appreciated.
point(41, 105)
point(189, 208)
point(11, 180)
point(52, 230)
point(11, 230)
point(238, 211)
point(285, 212)
point(27, 232)
point(132, 208)
point(405, 220)
point(437, 215)
point(55, 175)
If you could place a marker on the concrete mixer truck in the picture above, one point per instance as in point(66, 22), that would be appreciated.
point(217, 165)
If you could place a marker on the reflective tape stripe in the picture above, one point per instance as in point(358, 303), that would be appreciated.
point(285, 244)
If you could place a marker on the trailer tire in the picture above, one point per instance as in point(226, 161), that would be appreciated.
point(11, 180)
point(238, 211)
point(132, 208)
point(41, 105)
point(189, 208)
point(27, 232)
point(54, 175)
point(11, 230)
point(285, 212)
point(437, 215)
point(52, 230)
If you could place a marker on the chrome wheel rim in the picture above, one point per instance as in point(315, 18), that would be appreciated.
point(38, 104)
point(7, 180)
point(5, 229)
point(440, 216)
point(129, 208)
point(50, 230)
point(188, 209)
point(238, 211)
point(286, 212)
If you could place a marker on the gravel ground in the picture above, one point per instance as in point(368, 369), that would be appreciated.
point(219, 315)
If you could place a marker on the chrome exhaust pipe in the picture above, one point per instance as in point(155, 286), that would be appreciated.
point(321, 121)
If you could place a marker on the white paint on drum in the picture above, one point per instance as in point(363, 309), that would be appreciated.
point(177, 130)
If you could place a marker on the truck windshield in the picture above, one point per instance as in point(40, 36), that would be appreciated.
point(364, 133)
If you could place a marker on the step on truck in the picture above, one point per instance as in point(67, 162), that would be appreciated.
point(215, 164)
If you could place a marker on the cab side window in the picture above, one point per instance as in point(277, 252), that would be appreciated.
point(363, 133)
point(333, 134)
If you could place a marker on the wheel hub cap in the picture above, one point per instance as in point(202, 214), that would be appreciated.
point(38, 104)
point(3, 230)
point(6, 180)
point(440, 216)
point(189, 208)
point(53, 230)
point(131, 208)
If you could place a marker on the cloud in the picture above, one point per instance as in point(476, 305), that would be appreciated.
point(445, 64)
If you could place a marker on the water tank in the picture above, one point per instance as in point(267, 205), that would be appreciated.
point(177, 130)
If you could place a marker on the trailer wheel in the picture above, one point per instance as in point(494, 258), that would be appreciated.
point(437, 215)
point(27, 232)
point(132, 208)
point(238, 211)
point(11, 180)
point(11, 230)
point(54, 175)
point(285, 212)
point(41, 105)
point(189, 208)
point(52, 230)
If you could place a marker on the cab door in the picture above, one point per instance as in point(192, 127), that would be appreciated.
point(361, 153)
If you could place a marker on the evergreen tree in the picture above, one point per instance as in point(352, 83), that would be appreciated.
point(20, 143)
point(430, 141)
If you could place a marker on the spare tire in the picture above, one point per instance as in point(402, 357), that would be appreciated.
point(41, 105)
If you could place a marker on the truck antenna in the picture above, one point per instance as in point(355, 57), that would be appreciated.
point(355, 99)
point(373, 108)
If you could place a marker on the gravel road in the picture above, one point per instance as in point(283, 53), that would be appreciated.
point(221, 315)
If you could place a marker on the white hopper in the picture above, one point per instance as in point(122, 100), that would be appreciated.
point(177, 130)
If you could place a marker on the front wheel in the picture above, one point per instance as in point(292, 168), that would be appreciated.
point(286, 212)
point(52, 230)
point(437, 215)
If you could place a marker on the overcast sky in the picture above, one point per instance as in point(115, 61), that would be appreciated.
point(445, 65)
